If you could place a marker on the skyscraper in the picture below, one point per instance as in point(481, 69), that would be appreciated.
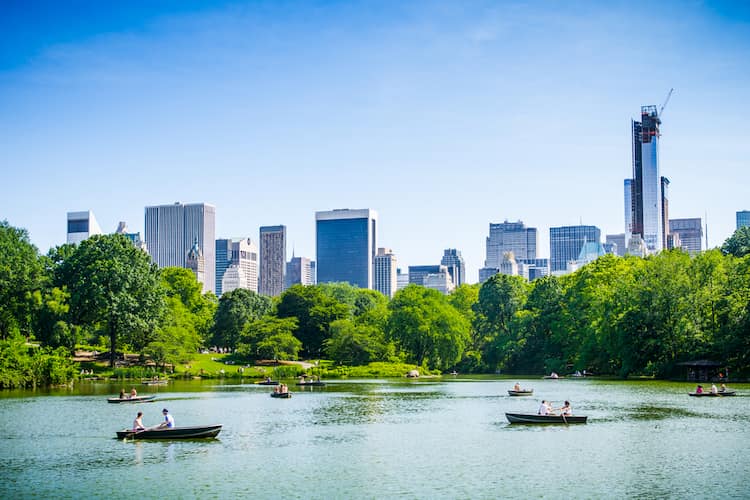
point(743, 218)
point(645, 217)
point(241, 253)
point(453, 260)
point(171, 231)
point(690, 232)
point(345, 242)
point(385, 272)
point(566, 242)
point(272, 260)
point(510, 237)
point(81, 225)
point(299, 271)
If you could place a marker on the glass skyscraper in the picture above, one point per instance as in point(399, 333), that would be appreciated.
point(691, 233)
point(566, 242)
point(171, 231)
point(345, 243)
point(272, 260)
point(743, 218)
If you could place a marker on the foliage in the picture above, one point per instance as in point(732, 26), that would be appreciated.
point(356, 344)
point(27, 365)
point(21, 276)
point(236, 309)
point(739, 243)
point(269, 338)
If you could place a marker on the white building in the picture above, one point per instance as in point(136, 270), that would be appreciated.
point(441, 281)
point(81, 225)
point(385, 272)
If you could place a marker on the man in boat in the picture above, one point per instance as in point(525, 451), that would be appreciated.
point(168, 420)
point(566, 410)
point(714, 390)
point(543, 408)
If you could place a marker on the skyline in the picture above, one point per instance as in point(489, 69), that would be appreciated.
point(442, 118)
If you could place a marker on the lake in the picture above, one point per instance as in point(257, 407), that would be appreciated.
point(425, 438)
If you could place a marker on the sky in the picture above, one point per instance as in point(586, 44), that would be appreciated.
point(443, 117)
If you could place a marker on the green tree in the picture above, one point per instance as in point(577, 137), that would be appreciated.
point(114, 287)
point(269, 338)
point(315, 310)
point(236, 309)
point(427, 328)
point(181, 284)
point(739, 243)
point(355, 344)
point(21, 276)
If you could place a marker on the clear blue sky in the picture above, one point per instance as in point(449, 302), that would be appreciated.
point(442, 116)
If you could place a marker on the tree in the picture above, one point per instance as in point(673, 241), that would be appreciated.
point(315, 311)
point(21, 276)
point(355, 344)
point(236, 309)
point(739, 243)
point(427, 328)
point(115, 287)
point(181, 284)
point(269, 337)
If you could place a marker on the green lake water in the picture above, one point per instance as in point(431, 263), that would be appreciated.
point(436, 438)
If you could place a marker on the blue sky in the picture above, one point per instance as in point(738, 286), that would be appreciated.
point(442, 116)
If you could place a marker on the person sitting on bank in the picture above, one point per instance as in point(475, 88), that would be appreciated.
point(699, 389)
point(168, 420)
point(138, 422)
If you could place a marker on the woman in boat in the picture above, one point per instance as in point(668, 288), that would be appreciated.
point(133, 393)
point(138, 422)
point(122, 393)
point(517, 387)
point(723, 388)
point(566, 410)
point(699, 389)
point(714, 390)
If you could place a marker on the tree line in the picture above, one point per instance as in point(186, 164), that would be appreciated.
point(617, 315)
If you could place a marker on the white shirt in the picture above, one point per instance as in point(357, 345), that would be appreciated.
point(543, 410)
point(169, 420)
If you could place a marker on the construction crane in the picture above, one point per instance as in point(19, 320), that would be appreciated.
point(666, 101)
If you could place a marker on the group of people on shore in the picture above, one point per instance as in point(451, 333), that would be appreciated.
point(713, 390)
point(545, 408)
point(167, 424)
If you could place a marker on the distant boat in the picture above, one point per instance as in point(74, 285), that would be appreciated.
point(284, 395)
point(197, 432)
point(522, 392)
point(524, 418)
point(712, 394)
point(156, 382)
point(268, 382)
point(132, 399)
point(553, 376)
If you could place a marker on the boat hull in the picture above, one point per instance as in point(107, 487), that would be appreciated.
point(196, 432)
point(712, 394)
point(136, 399)
point(283, 395)
point(266, 382)
point(524, 418)
point(528, 392)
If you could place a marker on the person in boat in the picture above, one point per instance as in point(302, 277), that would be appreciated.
point(699, 389)
point(517, 387)
point(138, 422)
point(554, 375)
point(302, 379)
point(122, 393)
point(566, 410)
point(723, 388)
point(168, 420)
point(133, 393)
point(284, 389)
point(277, 389)
point(268, 379)
point(543, 408)
point(714, 390)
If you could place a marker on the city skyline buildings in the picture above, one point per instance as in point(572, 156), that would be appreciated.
point(272, 260)
point(345, 246)
point(391, 99)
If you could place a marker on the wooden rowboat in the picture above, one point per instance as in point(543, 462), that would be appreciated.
point(530, 418)
point(196, 432)
point(712, 394)
point(268, 382)
point(522, 392)
point(132, 399)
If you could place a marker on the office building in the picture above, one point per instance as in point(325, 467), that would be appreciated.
point(299, 271)
point(241, 253)
point(510, 237)
point(440, 281)
point(385, 272)
point(618, 242)
point(135, 238)
point(345, 243)
point(664, 212)
point(743, 218)
point(81, 225)
point(272, 260)
point(566, 242)
point(690, 233)
point(172, 230)
point(196, 262)
point(645, 215)
point(532, 269)
point(418, 273)
point(402, 279)
point(453, 260)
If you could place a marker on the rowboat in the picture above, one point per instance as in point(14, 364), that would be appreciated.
point(132, 399)
point(712, 394)
point(155, 382)
point(268, 382)
point(196, 432)
point(522, 392)
point(530, 418)
point(281, 394)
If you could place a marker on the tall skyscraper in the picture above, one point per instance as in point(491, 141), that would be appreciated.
point(645, 217)
point(510, 237)
point(453, 260)
point(241, 253)
point(566, 242)
point(171, 231)
point(690, 232)
point(81, 225)
point(345, 242)
point(299, 271)
point(272, 260)
point(385, 272)
point(743, 218)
